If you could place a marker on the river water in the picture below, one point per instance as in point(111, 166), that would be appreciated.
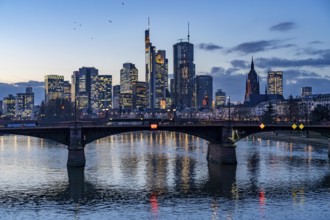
point(162, 175)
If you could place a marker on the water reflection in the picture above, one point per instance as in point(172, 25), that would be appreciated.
point(76, 183)
point(222, 181)
point(154, 172)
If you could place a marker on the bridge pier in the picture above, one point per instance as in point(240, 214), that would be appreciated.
point(222, 153)
point(76, 156)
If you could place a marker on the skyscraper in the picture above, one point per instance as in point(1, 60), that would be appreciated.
point(104, 92)
point(84, 87)
point(150, 53)
point(184, 73)
point(128, 78)
point(156, 73)
point(252, 83)
point(203, 90)
point(54, 87)
point(275, 82)
point(161, 82)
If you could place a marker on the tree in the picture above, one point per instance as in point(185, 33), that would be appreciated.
point(320, 114)
point(56, 110)
point(269, 114)
point(293, 108)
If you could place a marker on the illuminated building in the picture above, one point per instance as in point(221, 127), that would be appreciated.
point(150, 60)
point(128, 78)
point(54, 87)
point(275, 82)
point(156, 73)
point(203, 90)
point(161, 79)
point(306, 91)
point(9, 105)
point(220, 98)
point(139, 95)
point(184, 74)
point(24, 103)
point(84, 85)
point(116, 96)
point(104, 92)
point(252, 83)
point(67, 90)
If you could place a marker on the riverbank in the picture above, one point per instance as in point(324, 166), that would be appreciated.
point(297, 137)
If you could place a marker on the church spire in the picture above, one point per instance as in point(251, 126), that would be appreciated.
point(252, 64)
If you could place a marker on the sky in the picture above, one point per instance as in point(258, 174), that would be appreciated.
point(44, 37)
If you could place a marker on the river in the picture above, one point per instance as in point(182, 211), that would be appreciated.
point(162, 175)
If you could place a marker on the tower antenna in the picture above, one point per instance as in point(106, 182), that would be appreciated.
point(148, 23)
point(188, 33)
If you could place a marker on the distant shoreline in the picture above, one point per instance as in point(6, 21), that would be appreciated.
point(314, 138)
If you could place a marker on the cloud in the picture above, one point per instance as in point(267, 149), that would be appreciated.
point(283, 27)
point(316, 42)
point(239, 64)
point(258, 46)
point(209, 46)
point(324, 60)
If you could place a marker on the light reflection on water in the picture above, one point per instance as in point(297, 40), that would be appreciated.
point(162, 175)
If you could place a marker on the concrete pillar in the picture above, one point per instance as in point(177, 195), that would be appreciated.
point(76, 183)
point(76, 157)
point(222, 153)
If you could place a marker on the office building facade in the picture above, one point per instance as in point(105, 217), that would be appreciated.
point(184, 74)
point(128, 79)
point(220, 98)
point(204, 91)
point(54, 87)
point(275, 82)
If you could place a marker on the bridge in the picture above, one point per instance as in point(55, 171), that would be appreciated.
point(221, 137)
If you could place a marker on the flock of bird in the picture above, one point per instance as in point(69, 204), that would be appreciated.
point(78, 25)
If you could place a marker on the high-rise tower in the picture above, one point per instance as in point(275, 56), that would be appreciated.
point(156, 73)
point(252, 83)
point(275, 82)
point(184, 73)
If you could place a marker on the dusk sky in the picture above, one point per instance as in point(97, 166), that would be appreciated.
point(43, 37)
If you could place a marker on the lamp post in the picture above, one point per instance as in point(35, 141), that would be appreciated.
point(229, 108)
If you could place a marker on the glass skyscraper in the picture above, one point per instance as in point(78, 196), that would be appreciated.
point(156, 73)
point(84, 87)
point(184, 74)
point(275, 82)
point(128, 78)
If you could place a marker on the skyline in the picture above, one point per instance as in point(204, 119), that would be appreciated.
point(49, 37)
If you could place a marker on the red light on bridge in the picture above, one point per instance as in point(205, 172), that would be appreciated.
point(154, 126)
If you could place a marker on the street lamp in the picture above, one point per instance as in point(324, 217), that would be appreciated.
point(229, 108)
